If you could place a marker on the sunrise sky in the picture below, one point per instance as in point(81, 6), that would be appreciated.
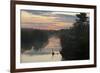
point(47, 20)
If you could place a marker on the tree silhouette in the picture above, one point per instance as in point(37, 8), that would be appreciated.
point(33, 38)
point(75, 41)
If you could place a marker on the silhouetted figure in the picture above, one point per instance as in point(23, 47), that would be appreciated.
point(53, 53)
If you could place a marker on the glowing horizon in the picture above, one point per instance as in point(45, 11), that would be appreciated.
point(47, 20)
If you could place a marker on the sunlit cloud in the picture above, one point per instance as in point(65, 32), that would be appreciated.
point(27, 17)
point(50, 21)
point(65, 13)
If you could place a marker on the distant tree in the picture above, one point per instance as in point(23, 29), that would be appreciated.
point(40, 39)
point(75, 41)
point(26, 39)
point(31, 37)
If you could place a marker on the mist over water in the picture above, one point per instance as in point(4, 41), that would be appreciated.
point(48, 53)
point(40, 58)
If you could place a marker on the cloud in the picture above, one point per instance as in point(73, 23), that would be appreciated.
point(66, 13)
point(50, 21)
point(27, 17)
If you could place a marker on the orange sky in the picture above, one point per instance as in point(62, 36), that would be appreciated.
point(29, 20)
